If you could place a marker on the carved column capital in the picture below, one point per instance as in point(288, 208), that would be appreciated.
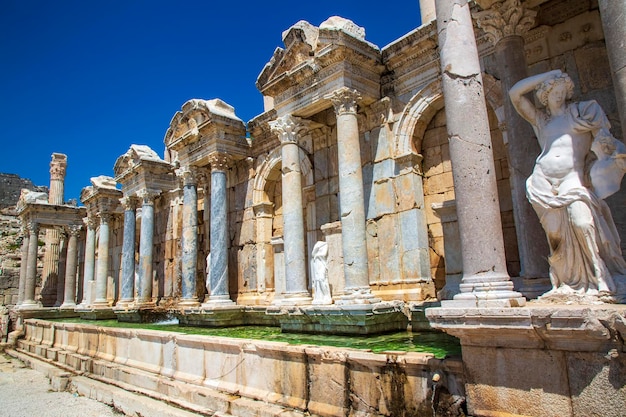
point(91, 221)
point(105, 218)
point(73, 230)
point(263, 209)
point(147, 196)
point(505, 18)
point(344, 100)
point(33, 227)
point(288, 128)
point(58, 167)
point(219, 161)
point(128, 202)
point(188, 174)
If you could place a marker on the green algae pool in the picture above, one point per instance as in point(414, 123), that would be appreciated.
point(439, 344)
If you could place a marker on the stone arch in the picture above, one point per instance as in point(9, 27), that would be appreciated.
point(415, 117)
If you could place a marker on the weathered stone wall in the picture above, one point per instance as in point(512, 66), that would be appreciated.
point(10, 187)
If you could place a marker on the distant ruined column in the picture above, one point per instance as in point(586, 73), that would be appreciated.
point(69, 299)
point(485, 277)
point(287, 128)
point(146, 240)
point(90, 261)
point(50, 273)
point(31, 268)
point(218, 278)
point(505, 23)
point(24, 262)
point(189, 240)
point(128, 252)
point(351, 199)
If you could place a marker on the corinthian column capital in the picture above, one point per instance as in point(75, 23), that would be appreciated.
point(219, 161)
point(128, 202)
point(58, 166)
point(188, 174)
point(344, 100)
point(505, 18)
point(288, 128)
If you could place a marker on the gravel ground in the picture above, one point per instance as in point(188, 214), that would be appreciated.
point(27, 393)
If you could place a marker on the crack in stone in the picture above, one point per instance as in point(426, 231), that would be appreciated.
point(468, 142)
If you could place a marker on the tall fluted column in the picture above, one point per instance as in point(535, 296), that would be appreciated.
point(287, 128)
point(128, 252)
point(23, 263)
point(613, 15)
point(50, 274)
point(70, 266)
point(31, 268)
point(102, 266)
point(146, 239)
point(505, 23)
point(90, 261)
point(218, 270)
point(189, 240)
point(484, 267)
point(351, 198)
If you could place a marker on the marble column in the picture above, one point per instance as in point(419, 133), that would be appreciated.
point(218, 269)
point(31, 268)
point(128, 252)
point(505, 23)
point(90, 261)
point(613, 15)
point(485, 277)
point(189, 239)
point(23, 263)
point(60, 285)
point(146, 239)
point(72, 233)
point(288, 128)
point(351, 199)
point(51, 276)
point(102, 265)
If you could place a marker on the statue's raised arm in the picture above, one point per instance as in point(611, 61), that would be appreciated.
point(586, 262)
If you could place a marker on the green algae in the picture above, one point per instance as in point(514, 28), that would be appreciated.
point(439, 344)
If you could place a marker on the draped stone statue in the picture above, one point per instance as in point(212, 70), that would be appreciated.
point(208, 273)
point(580, 164)
point(321, 288)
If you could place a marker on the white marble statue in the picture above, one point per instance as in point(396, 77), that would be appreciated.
point(579, 165)
point(321, 288)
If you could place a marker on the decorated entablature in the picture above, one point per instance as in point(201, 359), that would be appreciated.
point(141, 168)
point(317, 61)
point(205, 127)
point(102, 196)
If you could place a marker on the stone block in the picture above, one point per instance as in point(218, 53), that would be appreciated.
point(388, 249)
point(433, 162)
point(382, 199)
point(365, 140)
point(574, 33)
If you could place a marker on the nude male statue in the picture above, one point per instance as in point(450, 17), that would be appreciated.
point(585, 258)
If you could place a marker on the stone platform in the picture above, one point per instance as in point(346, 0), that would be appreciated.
point(541, 359)
point(102, 313)
point(350, 319)
point(245, 378)
point(45, 313)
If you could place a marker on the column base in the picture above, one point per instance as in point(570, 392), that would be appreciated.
point(188, 303)
point(29, 305)
point(531, 287)
point(216, 314)
point(98, 304)
point(123, 305)
point(217, 300)
point(361, 295)
point(294, 299)
point(67, 306)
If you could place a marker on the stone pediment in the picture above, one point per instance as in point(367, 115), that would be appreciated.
point(142, 168)
point(319, 60)
point(202, 127)
point(135, 155)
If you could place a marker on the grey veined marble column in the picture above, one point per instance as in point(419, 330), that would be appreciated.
point(71, 264)
point(23, 263)
point(287, 128)
point(218, 270)
point(146, 240)
point(189, 240)
point(351, 198)
point(505, 23)
point(484, 268)
point(90, 261)
point(128, 252)
point(102, 265)
point(613, 14)
point(31, 267)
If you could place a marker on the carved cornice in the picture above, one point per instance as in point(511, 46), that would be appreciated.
point(505, 18)
point(344, 100)
point(288, 128)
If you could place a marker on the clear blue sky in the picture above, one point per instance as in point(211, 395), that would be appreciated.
point(88, 78)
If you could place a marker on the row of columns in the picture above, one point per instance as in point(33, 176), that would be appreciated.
point(28, 267)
